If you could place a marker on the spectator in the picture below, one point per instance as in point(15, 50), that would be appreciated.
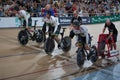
point(62, 11)
point(68, 7)
point(55, 10)
point(92, 7)
point(1, 12)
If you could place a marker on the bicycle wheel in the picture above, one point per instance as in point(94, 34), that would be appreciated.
point(66, 44)
point(101, 48)
point(39, 36)
point(94, 55)
point(80, 58)
point(23, 37)
point(49, 45)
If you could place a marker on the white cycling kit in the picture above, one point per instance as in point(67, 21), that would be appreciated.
point(83, 32)
point(53, 22)
point(25, 15)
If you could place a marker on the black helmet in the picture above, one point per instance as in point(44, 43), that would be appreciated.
point(76, 23)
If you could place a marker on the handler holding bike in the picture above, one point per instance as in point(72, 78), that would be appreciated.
point(112, 32)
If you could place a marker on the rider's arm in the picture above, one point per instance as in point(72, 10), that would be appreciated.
point(26, 19)
point(47, 28)
point(104, 28)
point(110, 35)
point(86, 34)
point(87, 38)
point(80, 19)
point(25, 15)
point(55, 24)
point(72, 20)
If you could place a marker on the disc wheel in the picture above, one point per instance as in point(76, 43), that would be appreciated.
point(23, 37)
point(66, 44)
point(80, 58)
point(39, 36)
point(94, 56)
point(49, 45)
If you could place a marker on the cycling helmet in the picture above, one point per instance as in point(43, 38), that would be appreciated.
point(76, 23)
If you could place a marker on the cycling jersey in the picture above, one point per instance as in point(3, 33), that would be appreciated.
point(52, 22)
point(82, 31)
point(25, 15)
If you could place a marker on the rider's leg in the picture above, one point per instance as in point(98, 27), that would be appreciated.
point(44, 29)
point(57, 39)
point(115, 40)
point(114, 45)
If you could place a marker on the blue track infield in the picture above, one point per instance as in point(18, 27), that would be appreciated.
point(109, 73)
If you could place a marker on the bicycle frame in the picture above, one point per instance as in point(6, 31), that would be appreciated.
point(109, 52)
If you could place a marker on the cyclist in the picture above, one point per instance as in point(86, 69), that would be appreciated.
point(77, 28)
point(47, 8)
point(24, 17)
point(52, 25)
point(112, 32)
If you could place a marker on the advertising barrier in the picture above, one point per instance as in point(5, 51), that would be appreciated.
point(102, 19)
point(8, 22)
point(65, 21)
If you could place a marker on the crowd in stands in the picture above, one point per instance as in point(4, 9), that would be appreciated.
point(85, 8)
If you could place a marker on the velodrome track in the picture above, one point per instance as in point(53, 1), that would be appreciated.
point(31, 63)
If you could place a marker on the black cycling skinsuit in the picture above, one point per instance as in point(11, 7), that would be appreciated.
point(112, 28)
point(76, 19)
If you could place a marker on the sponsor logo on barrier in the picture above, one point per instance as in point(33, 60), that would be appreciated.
point(65, 21)
point(114, 52)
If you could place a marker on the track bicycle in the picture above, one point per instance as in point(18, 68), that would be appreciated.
point(65, 42)
point(25, 35)
point(83, 54)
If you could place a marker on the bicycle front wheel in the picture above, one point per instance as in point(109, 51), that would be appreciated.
point(80, 57)
point(66, 44)
point(49, 45)
point(94, 55)
point(39, 36)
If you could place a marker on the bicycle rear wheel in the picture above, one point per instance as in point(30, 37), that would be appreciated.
point(94, 55)
point(101, 48)
point(66, 44)
point(39, 36)
point(80, 58)
point(23, 37)
point(49, 45)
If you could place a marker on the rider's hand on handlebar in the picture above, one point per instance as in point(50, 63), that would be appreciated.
point(87, 47)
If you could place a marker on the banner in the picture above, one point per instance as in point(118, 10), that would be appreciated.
point(65, 21)
point(102, 19)
point(6, 22)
